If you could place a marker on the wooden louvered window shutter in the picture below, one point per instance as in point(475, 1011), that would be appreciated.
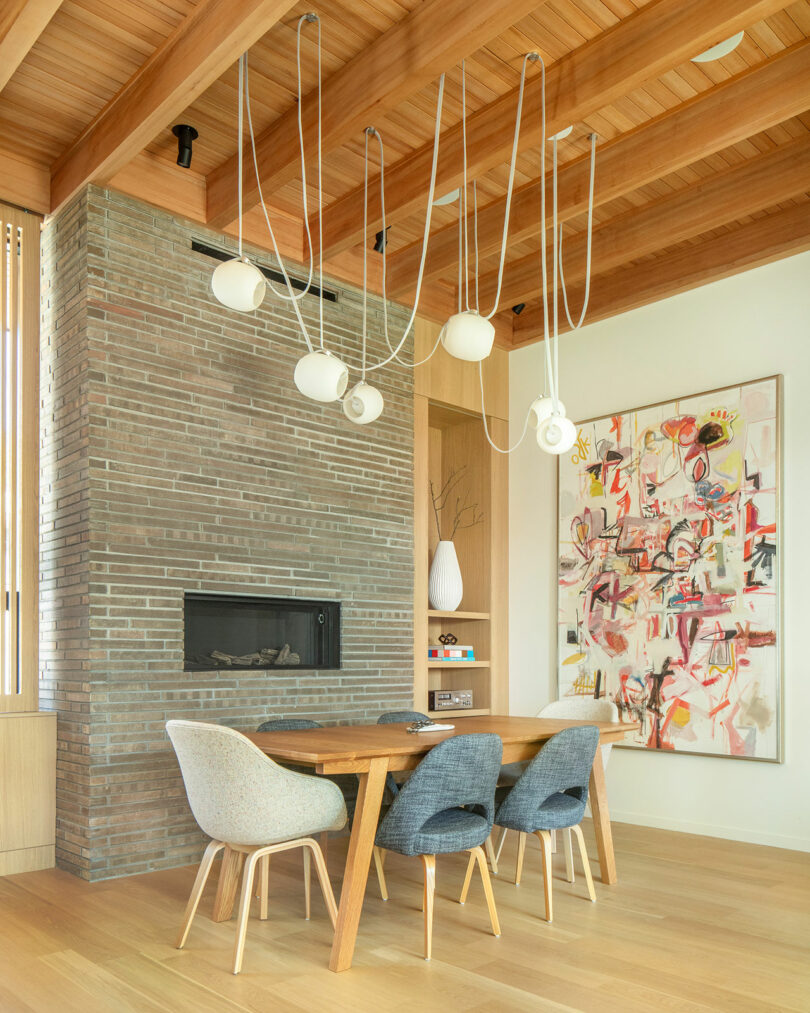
point(19, 459)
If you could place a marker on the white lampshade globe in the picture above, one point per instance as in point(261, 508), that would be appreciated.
point(363, 404)
point(321, 376)
point(468, 336)
point(239, 285)
point(541, 408)
point(556, 434)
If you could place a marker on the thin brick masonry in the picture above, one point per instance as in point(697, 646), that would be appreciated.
point(178, 456)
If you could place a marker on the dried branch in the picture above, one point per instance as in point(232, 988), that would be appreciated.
point(462, 507)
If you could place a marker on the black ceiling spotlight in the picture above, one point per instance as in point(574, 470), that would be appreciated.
point(381, 239)
point(185, 135)
point(519, 308)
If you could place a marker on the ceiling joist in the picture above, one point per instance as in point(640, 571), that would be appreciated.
point(434, 37)
point(725, 115)
point(764, 240)
point(754, 185)
point(653, 40)
point(21, 24)
point(201, 48)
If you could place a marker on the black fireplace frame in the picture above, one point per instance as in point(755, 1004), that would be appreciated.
point(326, 613)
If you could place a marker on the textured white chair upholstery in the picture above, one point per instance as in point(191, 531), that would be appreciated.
point(250, 805)
point(571, 708)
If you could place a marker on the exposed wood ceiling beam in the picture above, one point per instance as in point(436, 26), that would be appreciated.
point(645, 45)
point(754, 185)
point(753, 101)
point(21, 24)
point(777, 235)
point(200, 49)
point(413, 52)
point(26, 184)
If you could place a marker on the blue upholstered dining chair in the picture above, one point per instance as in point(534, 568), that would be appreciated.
point(447, 805)
point(392, 718)
point(551, 794)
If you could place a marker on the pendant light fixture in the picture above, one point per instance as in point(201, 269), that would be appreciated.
point(237, 283)
point(321, 376)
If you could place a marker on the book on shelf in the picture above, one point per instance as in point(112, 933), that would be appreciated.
point(454, 653)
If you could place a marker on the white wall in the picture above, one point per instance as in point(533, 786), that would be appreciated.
point(752, 325)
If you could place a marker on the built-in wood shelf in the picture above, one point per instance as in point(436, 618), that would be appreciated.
point(470, 712)
point(444, 663)
point(437, 614)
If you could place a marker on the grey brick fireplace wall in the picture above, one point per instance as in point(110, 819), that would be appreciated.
point(178, 456)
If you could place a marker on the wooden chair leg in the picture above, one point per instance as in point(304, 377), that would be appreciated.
point(493, 858)
point(521, 850)
point(307, 881)
point(470, 866)
point(499, 849)
point(244, 910)
point(264, 885)
point(323, 879)
point(586, 865)
point(325, 845)
point(379, 861)
point(231, 868)
point(569, 854)
point(544, 837)
point(196, 891)
point(429, 862)
point(554, 842)
point(493, 914)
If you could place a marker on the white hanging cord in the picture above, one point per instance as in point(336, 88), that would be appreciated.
point(426, 235)
point(555, 391)
point(538, 58)
point(548, 370)
point(510, 187)
point(369, 130)
point(292, 297)
point(242, 59)
point(576, 326)
point(475, 239)
point(463, 195)
point(494, 446)
point(460, 251)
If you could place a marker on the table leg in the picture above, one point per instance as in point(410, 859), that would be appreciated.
point(361, 843)
point(601, 819)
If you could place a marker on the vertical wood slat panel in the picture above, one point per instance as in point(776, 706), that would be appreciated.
point(19, 460)
point(5, 667)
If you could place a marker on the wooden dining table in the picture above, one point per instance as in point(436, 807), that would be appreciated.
point(370, 751)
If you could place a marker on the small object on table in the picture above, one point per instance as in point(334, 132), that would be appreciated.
point(448, 638)
point(428, 726)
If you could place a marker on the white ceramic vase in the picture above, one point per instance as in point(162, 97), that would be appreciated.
point(445, 587)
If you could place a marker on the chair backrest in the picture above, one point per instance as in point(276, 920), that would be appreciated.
point(584, 708)
point(287, 724)
point(240, 796)
point(393, 717)
point(563, 765)
point(461, 771)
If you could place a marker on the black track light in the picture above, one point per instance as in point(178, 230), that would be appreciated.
point(519, 308)
point(185, 136)
point(381, 240)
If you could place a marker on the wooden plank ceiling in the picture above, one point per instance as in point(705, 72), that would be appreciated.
point(702, 168)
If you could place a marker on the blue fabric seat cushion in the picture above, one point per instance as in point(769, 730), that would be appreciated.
point(443, 833)
point(558, 811)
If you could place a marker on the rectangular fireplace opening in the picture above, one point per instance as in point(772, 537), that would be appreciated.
point(231, 631)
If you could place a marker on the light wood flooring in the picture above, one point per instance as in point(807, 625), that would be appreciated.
point(693, 924)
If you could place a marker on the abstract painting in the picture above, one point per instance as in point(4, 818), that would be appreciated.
point(668, 600)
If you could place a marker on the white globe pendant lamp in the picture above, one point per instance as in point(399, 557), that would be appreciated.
point(556, 434)
point(239, 285)
point(541, 408)
point(363, 404)
point(468, 336)
point(321, 376)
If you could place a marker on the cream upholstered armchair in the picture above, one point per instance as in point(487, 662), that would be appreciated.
point(246, 802)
